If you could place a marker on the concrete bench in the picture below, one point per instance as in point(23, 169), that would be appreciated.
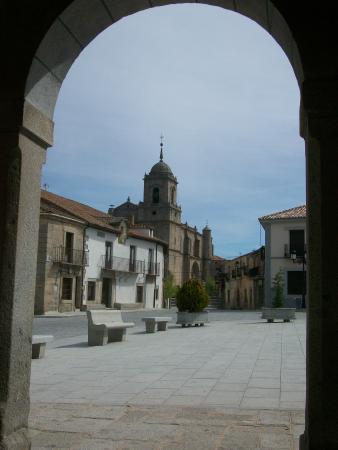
point(106, 326)
point(39, 345)
point(151, 323)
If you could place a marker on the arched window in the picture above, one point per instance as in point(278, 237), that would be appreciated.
point(173, 195)
point(195, 271)
point(197, 248)
point(156, 195)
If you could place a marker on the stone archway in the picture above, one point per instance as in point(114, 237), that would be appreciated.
point(41, 43)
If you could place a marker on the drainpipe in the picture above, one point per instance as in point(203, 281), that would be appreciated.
point(83, 268)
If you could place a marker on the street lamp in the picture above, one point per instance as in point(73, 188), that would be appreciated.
point(300, 259)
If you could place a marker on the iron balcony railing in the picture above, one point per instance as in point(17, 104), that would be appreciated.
point(72, 256)
point(122, 264)
point(153, 268)
point(300, 251)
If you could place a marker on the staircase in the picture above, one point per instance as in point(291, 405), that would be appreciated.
point(216, 303)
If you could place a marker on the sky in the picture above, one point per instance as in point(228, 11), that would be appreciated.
point(220, 90)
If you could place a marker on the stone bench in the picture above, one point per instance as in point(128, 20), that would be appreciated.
point(151, 323)
point(106, 326)
point(39, 345)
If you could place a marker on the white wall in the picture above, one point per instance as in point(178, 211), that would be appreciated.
point(124, 284)
point(277, 234)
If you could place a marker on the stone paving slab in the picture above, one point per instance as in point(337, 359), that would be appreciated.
point(243, 363)
point(94, 427)
point(234, 384)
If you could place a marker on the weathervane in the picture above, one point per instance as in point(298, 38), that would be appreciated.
point(161, 145)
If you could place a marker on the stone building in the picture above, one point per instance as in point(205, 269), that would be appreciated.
point(86, 258)
point(244, 281)
point(285, 237)
point(189, 251)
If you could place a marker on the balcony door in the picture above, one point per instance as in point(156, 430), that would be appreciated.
point(150, 261)
point(108, 255)
point(132, 258)
point(297, 242)
point(69, 244)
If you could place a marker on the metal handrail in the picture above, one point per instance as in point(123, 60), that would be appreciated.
point(65, 255)
point(122, 264)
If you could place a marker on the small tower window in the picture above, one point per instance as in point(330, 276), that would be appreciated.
point(173, 195)
point(156, 195)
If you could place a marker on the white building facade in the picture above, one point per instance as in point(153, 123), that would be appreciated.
point(123, 271)
point(87, 259)
point(285, 251)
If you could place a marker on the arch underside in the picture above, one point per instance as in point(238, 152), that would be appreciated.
point(82, 21)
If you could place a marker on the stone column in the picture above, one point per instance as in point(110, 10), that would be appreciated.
point(321, 134)
point(22, 155)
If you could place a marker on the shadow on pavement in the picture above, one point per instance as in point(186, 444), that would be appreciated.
point(77, 344)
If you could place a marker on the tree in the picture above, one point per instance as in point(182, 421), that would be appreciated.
point(210, 286)
point(278, 285)
point(169, 288)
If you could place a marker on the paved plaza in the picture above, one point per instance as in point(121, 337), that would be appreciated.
point(237, 383)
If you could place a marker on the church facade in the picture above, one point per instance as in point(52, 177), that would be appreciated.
point(189, 251)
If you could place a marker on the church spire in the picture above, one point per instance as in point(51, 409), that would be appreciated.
point(161, 145)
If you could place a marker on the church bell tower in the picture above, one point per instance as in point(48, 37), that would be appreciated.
point(160, 194)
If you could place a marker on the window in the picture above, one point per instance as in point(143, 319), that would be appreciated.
point(156, 195)
point(296, 283)
point(188, 245)
point(132, 258)
point(67, 288)
point(108, 255)
point(150, 260)
point(156, 293)
point(173, 195)
point(139, 294)
point(91, 290)
point(197, 248)
point(69, 240)
point(297, 242)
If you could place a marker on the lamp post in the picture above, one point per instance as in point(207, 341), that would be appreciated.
point(301, 259)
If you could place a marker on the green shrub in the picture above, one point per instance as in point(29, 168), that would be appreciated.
point(278, 285)
point(210, 286)
point(192, 296)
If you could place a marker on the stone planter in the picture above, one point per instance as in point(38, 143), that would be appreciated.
point(285, 314)
point(186, 318)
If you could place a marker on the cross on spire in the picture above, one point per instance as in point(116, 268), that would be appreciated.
point(161, 145)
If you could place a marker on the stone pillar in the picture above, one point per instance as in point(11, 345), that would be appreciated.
point(22, 155)
point(321, 134)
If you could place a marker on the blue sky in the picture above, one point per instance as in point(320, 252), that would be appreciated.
point(223, 94)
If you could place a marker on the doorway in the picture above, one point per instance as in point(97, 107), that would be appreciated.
point(106, 292)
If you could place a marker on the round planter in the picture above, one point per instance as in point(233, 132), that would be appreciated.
point(285, 314)
point(186, 318)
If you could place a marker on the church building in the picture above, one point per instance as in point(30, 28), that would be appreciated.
point(189, 251)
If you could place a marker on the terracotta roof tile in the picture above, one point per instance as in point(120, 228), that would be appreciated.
point(299, 212)
point(90, 215)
